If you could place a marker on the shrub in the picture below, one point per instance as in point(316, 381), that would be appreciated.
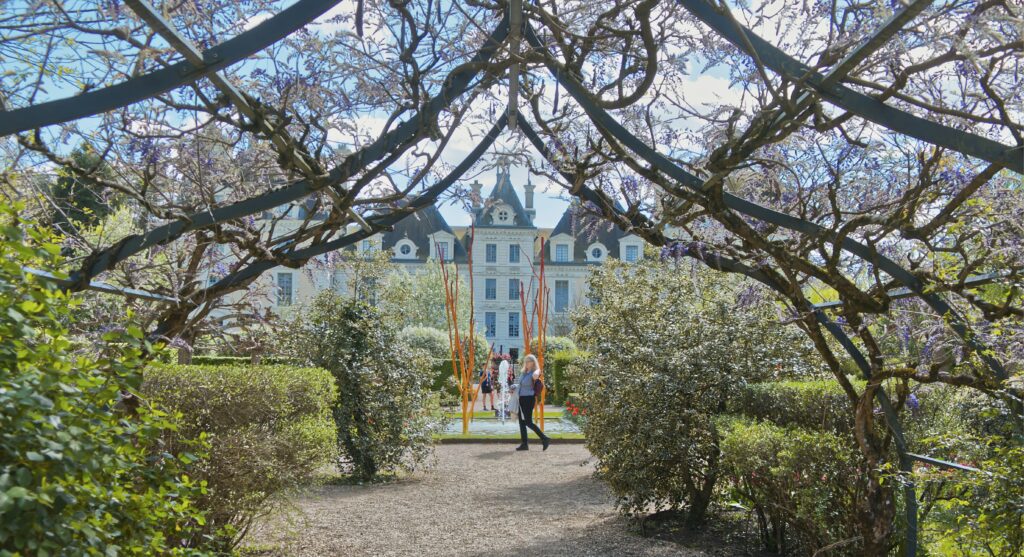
point(270, 431)
point(665, 349)
point(554, 344)
point(434, 343)
point(802, 486)
point(558, 376)
point(79, 474)
point(815, 405)
point(977, 513)
point(382, 414)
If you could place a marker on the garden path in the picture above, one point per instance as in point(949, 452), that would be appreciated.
point(481, 500)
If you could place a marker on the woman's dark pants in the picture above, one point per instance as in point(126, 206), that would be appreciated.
point(526, 417)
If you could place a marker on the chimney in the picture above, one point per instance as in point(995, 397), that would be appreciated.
point(528, 188)
point(476, 198)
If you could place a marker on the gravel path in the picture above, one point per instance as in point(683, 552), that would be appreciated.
point(549, 505)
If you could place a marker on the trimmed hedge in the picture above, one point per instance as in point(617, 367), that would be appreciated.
point(802, 486)
point(234, 361)
point(269, 428)
point(815, 405)
point(557, 374)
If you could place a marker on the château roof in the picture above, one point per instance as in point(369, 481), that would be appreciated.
point(417, 228)
point(504, 193)
point(587, 229)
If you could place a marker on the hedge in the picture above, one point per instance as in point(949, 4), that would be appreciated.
point(801, 486)
point(235, 361)
point(269, 428)
point(557, 365)
point(816, 405)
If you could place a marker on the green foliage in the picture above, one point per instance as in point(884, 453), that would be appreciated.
point(814, 405)
point(558, 374)
point(382, 413)
point(423, 297)
point(270, 431)
point(802, 486)
point(78, 197)
point(978, 513)
point(434, 343)
point(554, 344)
point(665, 350)
point(234, 361)
point(82, 471)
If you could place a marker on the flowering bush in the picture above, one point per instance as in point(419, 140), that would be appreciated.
point(575, 413)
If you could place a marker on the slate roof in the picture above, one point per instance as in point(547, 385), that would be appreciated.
point(417, 227)
point(586, 229)
point(503, 192)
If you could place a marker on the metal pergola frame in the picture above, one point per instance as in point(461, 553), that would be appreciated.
point(827, 88)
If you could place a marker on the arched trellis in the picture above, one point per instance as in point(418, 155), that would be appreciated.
point(825, 87)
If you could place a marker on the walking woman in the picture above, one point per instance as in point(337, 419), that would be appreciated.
point(527, 398)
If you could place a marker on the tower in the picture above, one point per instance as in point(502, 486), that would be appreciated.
point(529, 187)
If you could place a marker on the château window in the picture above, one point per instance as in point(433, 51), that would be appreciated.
point(561, 295)
point(491, 253)
point(562, 253)
point(442, 248)
point(513, 253)
point(596, 253)
point(491, 289)
point(490, 324)
point(284, 289)
point(513, 324)
point(632, 253)
point(405, 249)
point(513, 289)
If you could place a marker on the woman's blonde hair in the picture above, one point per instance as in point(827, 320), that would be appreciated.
point(536, 364)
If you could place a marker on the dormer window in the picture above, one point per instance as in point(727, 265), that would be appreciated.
point(502, 216)
point(405, 249)
point(561, 253)
point(596, 252)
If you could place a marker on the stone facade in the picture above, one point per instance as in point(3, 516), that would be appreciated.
point(506, 251)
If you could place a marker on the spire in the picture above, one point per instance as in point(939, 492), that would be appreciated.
point(476, 196)
point(504, 168)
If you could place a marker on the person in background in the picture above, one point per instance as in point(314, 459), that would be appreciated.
point(487, 384)
point(527, 393)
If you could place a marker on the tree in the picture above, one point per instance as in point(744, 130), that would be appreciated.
point(664, 351)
